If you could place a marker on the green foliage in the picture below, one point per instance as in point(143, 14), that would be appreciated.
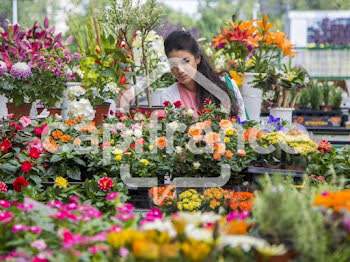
point(304, 98)
point(315, 93)
point(336, 98)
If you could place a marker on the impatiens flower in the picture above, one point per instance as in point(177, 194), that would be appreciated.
point(25, 207)
point(5, 217)
point(177, 104)
point(17, 228)
point(25, 120)
point(125, 217)
point(20, 70)
point(3, 68)
point(26, 166)
point(39, 244)
point(19, 183)
point(112, 195)
point(41, 130)
point(37, 144)
point(5, 146)
point(34, 153)
point(127, 208)
point(61, 182)
point(35, 230)
point(105, 183)
point(40, 258)
point(94, 249)
point(9, 116)
point(324, 146)
point(3, 188)
point(4, 203)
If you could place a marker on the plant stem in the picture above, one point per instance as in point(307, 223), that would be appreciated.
point(145, 63)
point(295, 98)
point(286, 98)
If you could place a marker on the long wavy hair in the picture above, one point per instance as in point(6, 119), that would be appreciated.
point(184, 41)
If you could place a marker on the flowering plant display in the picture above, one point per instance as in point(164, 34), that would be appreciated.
point(282, 87)
point(250, 46)
point(36, 62)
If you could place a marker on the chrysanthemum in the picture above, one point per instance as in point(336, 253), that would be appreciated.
point(3, 68)
point(105, 183)
point(324, 146)
point(20, 70)
point(61, 182)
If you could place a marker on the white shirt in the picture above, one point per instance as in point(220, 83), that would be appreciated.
point(172, 95)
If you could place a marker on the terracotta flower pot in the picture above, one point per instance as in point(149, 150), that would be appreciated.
point(101, 111)
point(18, 111)
point(326, 108)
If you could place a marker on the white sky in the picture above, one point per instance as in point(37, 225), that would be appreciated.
point(187, 6)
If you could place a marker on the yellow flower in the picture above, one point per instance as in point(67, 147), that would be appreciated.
point(179, 205)
point(123, 238)
point(237, 78)
point(112, 141)
point(117, 151)
point(150, 147)
point(118, 157)
point(202, 250)
point(144, 161)
point(145, 249)
point(227, 140)
point(61, 182)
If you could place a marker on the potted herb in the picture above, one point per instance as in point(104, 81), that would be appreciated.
point(327, 87)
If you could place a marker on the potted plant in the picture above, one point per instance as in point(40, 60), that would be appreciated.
point(37, 62)
point(315, 96)
point(327, 87)
point(287, 85)
point(250, 48)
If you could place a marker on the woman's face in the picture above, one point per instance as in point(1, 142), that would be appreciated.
point(183, 65)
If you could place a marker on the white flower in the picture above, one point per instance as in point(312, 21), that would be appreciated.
point(190, 112)
point(178, 149)
point(117, 151)
point(138, 133)
point(75, 91)
point(330, 83)
point(81, 108)
point(112, 87)
point(196, 165)
point(219, 62)
point(245, 242)
point(306, 80)
point(128, 132)
point(173, 125)
point(198, 234)
point(161, 226)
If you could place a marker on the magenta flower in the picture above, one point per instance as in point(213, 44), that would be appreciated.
point(125, 217)
point(17, 228)
point(37, 144)
point(20, 70)
point(4, 203)
point(3, 188)
point(35, 230)
point(237, 215)
point(39, 244)
point(124, 252)
point(152, 215)
point(25, 207)
point(115, 228)
point(9, 116)
point(6, 217)
point(25, 120)
point(112, 195)
point(3, 68)
point(127, 208)
point(94, 249)
point(105, 183)
point(40, 258)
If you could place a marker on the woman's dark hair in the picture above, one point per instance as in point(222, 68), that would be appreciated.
point(182, 40)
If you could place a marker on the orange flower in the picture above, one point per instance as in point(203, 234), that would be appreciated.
point(50, 146)
point(335, 200)
point(219, 148)
point(207, 123)
point(162, 195)
point(77, 141)
point(229, 154)
point(212, 138)
point(246, 25)
point(92, 123)
point(264, 25)
point(218, 40)
point(70, 122)
point(145, 249)
point(217, 156)
point(161, 142)
point(57, 134)
point(194, 131)
point(235, 227)
point(251, 132)
point(225, 124)
point(242, 201)
point(253, 41)
point(78, 119)
point(241, 152)
point(65, 138)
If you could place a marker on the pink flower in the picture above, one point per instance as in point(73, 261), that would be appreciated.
point(3, 68)
point(152, 215)
point(17, 228)
point(25, 207)
point(125, 217)
point(20, 70)
point(69, 239)
point(39, 244)
point(140, 141)
point(115, 228)
point(6, 217)
point(35, 230)
point(112, 196)
point(3, 188)
point(105, 183)
point(9, 116)
point(25, 120)
point(127, 208)
point(94, 249)
point(41, 130)
point(37, 144)
point(39, 258)
point(4, 203)
point(120, 126)
point(124, 252)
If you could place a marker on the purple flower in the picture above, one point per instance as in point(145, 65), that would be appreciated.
point(20, 70)
point(272, 119)
point(3, 68)
point(241, 122)
point(346, 223)
point(250, 48)
point(221, 45)
point(112, 196)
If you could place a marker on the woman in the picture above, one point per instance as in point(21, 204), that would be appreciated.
point(186, 60)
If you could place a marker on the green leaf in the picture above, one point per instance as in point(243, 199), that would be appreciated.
point(55, 158)
point(9, 168)
point(107, 73)
point(79, 161)
point(74, 173)
point(36, 179)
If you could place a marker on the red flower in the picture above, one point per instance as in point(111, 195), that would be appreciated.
point(324, 146)
point(127, 70)
point(207, 101)
point(166, 103)
point(19, 183)
point(98, 62)
point(133, 145)
point(26, 167)
point(17, 127)
point(105, 183)
point(123, 80)
point(177, 104)
point(34, 153)
point(41, 130)
point(5, 145)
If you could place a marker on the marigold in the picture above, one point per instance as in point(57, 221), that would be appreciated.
point(242, 201)
point(61, 182)
point(69, 122)
point(78, 119)
point(57, 134)
point(65, 138)
point(335, 200)
point(161, 142)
